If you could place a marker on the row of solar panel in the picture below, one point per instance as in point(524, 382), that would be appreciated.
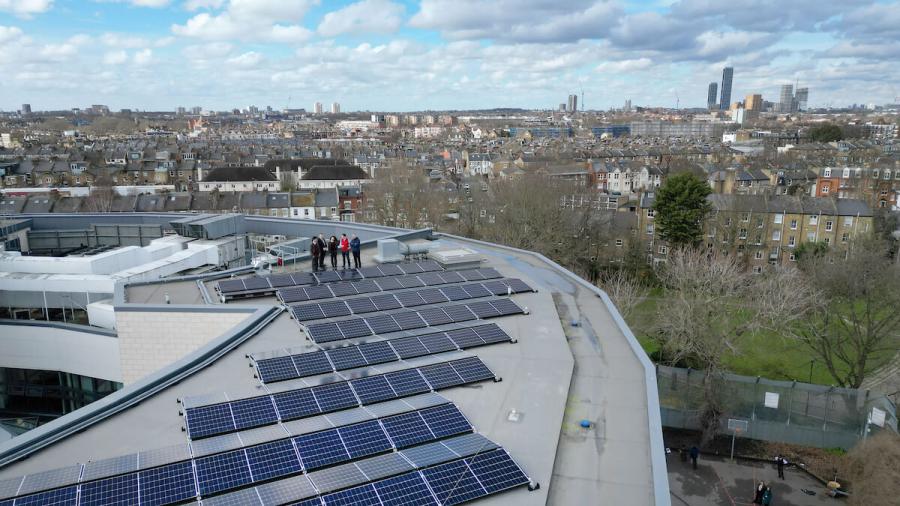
point(407, 299)
point(379, 352)
point(347, 288)
point(267, 283)
point(445, 483)
point(205, 421)
point(408, 320)
point(215, 474)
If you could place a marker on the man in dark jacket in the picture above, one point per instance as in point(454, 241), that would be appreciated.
point(354, 248)
point(323, 250)
point(314, 253)
point(695, 452)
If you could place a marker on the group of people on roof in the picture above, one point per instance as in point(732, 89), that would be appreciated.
point(319, 248)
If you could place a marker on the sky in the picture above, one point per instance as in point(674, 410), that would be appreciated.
point(392, 55)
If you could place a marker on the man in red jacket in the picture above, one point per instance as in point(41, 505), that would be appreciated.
point(345, 251)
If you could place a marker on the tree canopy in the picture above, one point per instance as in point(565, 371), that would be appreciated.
point(826, 133)
point(680, 207)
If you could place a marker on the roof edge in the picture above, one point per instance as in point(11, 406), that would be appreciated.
point(61, 325)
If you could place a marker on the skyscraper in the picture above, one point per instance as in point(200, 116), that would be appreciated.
point(26, 109)
point(725, 100)
point(573, 103)
point(801, 98)
point(753, 103)
point(335, 108)
point(786, 98)
point(317, 108)
point(711, 95)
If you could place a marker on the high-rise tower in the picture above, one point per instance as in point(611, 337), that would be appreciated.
point(711, 95)
point(725, 100)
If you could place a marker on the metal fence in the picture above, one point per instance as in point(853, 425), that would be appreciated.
point(783, 411)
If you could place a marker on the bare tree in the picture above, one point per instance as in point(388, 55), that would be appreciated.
point(857, 320)
point(624, 290)
point(102, 195)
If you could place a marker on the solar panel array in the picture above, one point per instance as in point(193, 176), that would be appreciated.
point(408, 299)
point(205, 421)
point(349, 357)
point(385, 284)
point(264, 284)
point(408, 320)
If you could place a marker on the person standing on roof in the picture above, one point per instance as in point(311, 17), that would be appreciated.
point(345, 251)
point(323, 250)
point(355, 247)
point(314, 253)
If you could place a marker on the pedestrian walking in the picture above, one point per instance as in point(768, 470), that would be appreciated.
point(345, 251)
point(323, 250)
point(332, 250)
point(758, 493)
point(767, 496)
point(780, 462)
point(695, 452)
point(355, 247)
point(314, 253)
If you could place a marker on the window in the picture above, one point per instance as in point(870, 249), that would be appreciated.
point(650, 229)
point(792, 257)
point(813, 221)
point(759, 223)
point(791, 241)
point(651, 213)
point(845, 237)
point(811, 237)
point(848, 220)
point(845, 173)
point(875, 173)
point(745, 217)
point(776, 235)
point(758, 239)
point(829, 225)
point(826, 188)
point(743, 233)
point(779, 218)
point(757, 269)
point(758, 255)
point(296, 212)
point(663, 250)
point(619, 243)
point(826, 173)
point(887, 174)
point(793, 224)
point(827, 240)
point(727, 222)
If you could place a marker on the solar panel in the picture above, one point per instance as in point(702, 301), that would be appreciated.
point(390, 269)
point(496, 471)
point(431, 278)
point(335, 308)
point(349, 274)
point(430, 265)
point(343, 289)
point(118, 490)
point(471, 369)
point(370, 272)
point(459, 313)
point(496, 287)
point(357, 496)
point(441, 376)
point(101, 469)
point(291, 295)
point(208, 420)
point(361, 305)
point(489, 273)
point(435, 316)
point(59, 497)
point(453, 483)
point(446, 420)
point(451, 277)
point(382, 324)
point(256, 283)
point(222, 472)
point(411, 268)
point(372, 389)
point(168, 484)
point(346, 358)
point(407, 429)
point(433, 296)
point(483, 309)
point(315, 501)
point(318, 292)
point(469, 444)
point(429, 455)
point(409, 488)
point(287, 490)
point(280, 280)
point(310, 364)
point(409, 320)
point(327, 276)
point(270, 460)
point(334, 396)
point(389, 464)
point(386, 284)
point(308, 312)
point(407, 382)
point(410, 282)
point(276, 369)
point(437, 343)
point(231, 286)
point(363, 439)
point(378, 352)
point(409, 347)
point(471, 275)
point(354, 328)
point(518, 286)
point(455, 293)
point(385, 302)
point(476, 290)
point(410, 299)
point(303, 278)
point(325, 332)
point(506, 307)
point(465, 338)
point(321, 449)
point(296, 404)
point(492, 334)
point(366, 286)
point(253, 412)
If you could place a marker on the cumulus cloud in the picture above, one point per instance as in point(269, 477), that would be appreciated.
point(250, 20)
point(9, 33)
point(143, 57)
point(194, 5)
point(617, 67)
point(25, 8)
point(247, 60)
point(115, 57)
point(367, 16)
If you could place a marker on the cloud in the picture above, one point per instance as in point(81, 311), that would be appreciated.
point(248, 60)
point(143, 57)
point(367, 16)
point(617, 67)
point(876, 21)
point(9, 33)
point(251, 20)
point(115, 57)
point(194, 5)
point(25, 8)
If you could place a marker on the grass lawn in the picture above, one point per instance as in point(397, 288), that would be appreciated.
point(767, 355)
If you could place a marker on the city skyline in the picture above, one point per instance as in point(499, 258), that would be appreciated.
point(435, 54)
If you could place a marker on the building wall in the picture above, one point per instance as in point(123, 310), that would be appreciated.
point(59, 349)
point(151, 340)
